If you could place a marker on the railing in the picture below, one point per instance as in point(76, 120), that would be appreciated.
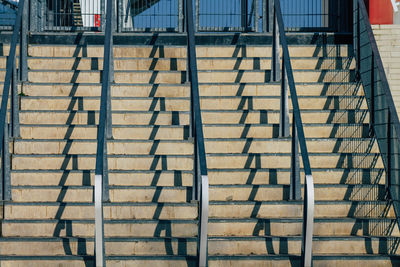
point(104, 132)
point(384, 121)
point(200, 177)
point(11, 129)
point(285, 74)
point(209, 15)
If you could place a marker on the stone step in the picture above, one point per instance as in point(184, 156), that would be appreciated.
point(180, 51)
point(179, 77)
point(214, 261)
point(185, 178)
point(182, 117)
point(185, 162)
point(179, 194)
point(168, 132)
point(111, 211)
point(188, 211)
point(292, 245)
point(326, 192)
point(159, 64)
point(114, 228)
point(292, 209)
point(183, 104)
point(117, 246)
point(87, 162)
point(183, 90)
point(85, 194)
point(216, 227)
point(156, 147)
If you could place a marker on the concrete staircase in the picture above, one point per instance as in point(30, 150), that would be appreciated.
point(150, 220)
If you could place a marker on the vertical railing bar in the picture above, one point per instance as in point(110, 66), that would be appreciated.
point(14, 120)
point(275, 66)
point(295, 189)
point(23, 46)
point(6, 164)
point(284, 104)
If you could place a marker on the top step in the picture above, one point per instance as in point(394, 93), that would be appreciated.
point(180, 51)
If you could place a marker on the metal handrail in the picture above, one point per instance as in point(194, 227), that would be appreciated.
point(10, 81)
point(200, 177)
point(104, 131)
point(298, 137)
point(372, 75)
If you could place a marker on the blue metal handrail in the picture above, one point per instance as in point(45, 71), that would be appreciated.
point(298, 137)
point(200, 178)
point(384, 119)
point(104, 131)
point(10, 81)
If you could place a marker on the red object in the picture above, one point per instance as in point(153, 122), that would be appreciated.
point(380, 12)
point(97, 20)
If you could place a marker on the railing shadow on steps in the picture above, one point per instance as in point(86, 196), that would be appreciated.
point(285, 75)
point(200, 177)
point(101, 187)
point(383, 120)
point(9, 125)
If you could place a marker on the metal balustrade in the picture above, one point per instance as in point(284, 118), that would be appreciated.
point(168, 15)
point(384, 120)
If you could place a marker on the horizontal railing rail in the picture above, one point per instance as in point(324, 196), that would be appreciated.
point(104, 132)
point(298, 137)
point(384, 120)
point(200, 177)
point(11, 128)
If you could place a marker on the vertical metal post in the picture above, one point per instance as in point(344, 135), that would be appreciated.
point(389, 154)
point(275, 66)
point(284, 104)
point(120, 14)
point(181, 17)
point(256, 5)
point(103, 15)
point(99, 223)
point(5, 165)
point(243, 15)
point(14, 120)
point(372, 97)
point(295, 190)
point(23, 46)
point(197, 12)
point(111, 81)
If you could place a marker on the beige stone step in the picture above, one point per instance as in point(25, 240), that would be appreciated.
point(86, 229)
point(82, 162)
point(182, 132)
point(179, 104)
point(178, 77)
point(113, 148)
point(180, 51)
point(325, 227)
point(239, 63)
point(278, 192)
point(91, 118)
point(261, 246)
point(332, 160)
point(186, 148)
point(68, 178)
point(279, 210)
point(85, 194)
point(216, 177)
point(148, 104)
point(56, 247)
point(183, 90)
point(70, 211)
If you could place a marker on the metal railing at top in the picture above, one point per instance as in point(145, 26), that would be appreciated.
point(104, 132)
point(384, 120)
point(285, 74)
point(200, 177)
point(209, 15)
point(9, 128)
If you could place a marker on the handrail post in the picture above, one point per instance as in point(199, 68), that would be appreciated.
point(5, 166)
point(23, 46)
point(284, 104)
point(275, 68)
point(295, 190)
point(308, 224)
point(14, 120)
